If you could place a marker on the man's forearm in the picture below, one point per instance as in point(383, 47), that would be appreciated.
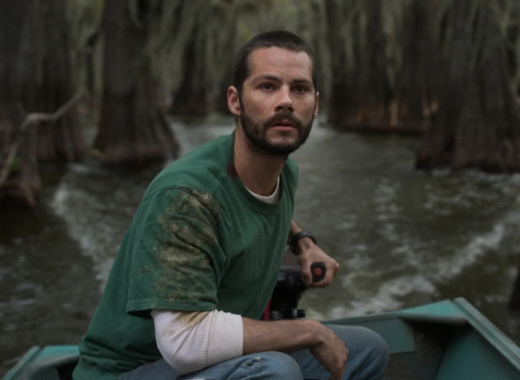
point(284, 336)
point(303, 243)
point(294, 229)
point(293, 335)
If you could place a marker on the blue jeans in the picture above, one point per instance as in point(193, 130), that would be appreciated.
point(368, 355)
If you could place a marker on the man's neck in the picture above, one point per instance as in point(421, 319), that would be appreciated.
point(258, 172)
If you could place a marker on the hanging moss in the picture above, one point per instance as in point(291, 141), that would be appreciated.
point(478, 122)
point(195, 42)
point(84, 20)
point(132, 128)
point(380, 61)
point(15, 165)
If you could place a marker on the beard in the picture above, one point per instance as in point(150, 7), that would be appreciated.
point(256, 133)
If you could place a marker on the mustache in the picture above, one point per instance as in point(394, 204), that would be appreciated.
point(276, 119)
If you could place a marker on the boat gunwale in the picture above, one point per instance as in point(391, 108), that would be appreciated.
point(492, 334)
point(458, 313)
point(20, 366)
point(468, 314)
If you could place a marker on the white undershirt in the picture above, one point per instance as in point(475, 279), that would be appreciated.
point(274, 197)
point(190, 341)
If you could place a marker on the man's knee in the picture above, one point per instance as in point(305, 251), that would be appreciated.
point(276, 365)
point(377, 353)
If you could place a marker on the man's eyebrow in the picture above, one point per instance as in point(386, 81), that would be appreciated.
point(267, 77)
point(276, 79)
point(302, 81)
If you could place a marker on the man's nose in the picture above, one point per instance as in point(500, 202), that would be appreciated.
point(284, 101)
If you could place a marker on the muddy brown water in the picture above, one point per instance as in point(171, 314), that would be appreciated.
point(402, 237)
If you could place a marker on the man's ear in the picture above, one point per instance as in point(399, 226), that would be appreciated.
point(233, 101)
point(317, 107)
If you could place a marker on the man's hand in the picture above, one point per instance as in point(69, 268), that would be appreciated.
point(293, 335)
point(311, 253)
point(331, 353)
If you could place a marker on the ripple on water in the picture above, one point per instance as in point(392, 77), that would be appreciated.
point(424, 237)
point(96, 218)
point(402, 237)
point(98, 205)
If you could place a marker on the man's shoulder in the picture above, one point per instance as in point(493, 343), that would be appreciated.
point(202, 169)
point(291, 165)
point(291, 170)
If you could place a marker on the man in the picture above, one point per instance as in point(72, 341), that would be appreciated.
point(201, 257)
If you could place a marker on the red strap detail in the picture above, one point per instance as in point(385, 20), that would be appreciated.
point(267, 311)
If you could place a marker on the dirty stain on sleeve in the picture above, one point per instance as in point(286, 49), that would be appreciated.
point(184, 248)
point(184, 321)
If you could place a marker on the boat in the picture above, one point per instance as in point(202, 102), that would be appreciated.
point(446, 340)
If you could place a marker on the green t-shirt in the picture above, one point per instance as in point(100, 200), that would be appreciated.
point(199, 241)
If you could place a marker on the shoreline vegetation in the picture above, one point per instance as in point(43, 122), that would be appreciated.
point(447, 71)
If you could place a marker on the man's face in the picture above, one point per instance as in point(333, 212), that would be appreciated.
point(278, 102)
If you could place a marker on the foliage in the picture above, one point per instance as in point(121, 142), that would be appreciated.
point(15, 165)
point(217, 28)
point(84, 20)
point(508, 15)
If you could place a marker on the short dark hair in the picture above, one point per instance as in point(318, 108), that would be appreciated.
point(279, 38)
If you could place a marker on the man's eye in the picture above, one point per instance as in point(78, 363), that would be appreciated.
point(300, 89)
point(267, 86)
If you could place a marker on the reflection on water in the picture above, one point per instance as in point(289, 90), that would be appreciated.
point(402, 237)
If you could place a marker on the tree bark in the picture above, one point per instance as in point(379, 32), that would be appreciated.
point(359, 92)
point(416, 88)
point(372, 89)
point(20, 24)
point(514, 301)
point(62, 140)
point(33, 119)
point(22, 187)
point(478, 122)
point(90, 69)
point(191, 98)
point(34, 77)
point(132, 127)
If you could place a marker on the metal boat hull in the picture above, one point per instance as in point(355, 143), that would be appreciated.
point(446, 340)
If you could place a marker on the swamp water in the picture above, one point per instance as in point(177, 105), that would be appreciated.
point(402, 237)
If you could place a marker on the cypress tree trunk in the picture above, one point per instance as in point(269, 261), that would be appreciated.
point(478, 122)
point(514, 301)
point(416, 88)
point(132, 128)
point(359, 91)
point(22, 185)
point(191, 97)
point(510, 26)
point(377, 65)
point(20, 25)
point(34, 77)
point(61, 140)
point(90, 69)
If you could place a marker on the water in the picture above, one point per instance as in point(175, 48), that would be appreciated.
point(402, 237)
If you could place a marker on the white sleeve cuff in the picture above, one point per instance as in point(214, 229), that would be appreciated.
point(191, 341)
point(226, 340)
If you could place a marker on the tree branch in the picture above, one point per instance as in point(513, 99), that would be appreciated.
point(35, 119)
